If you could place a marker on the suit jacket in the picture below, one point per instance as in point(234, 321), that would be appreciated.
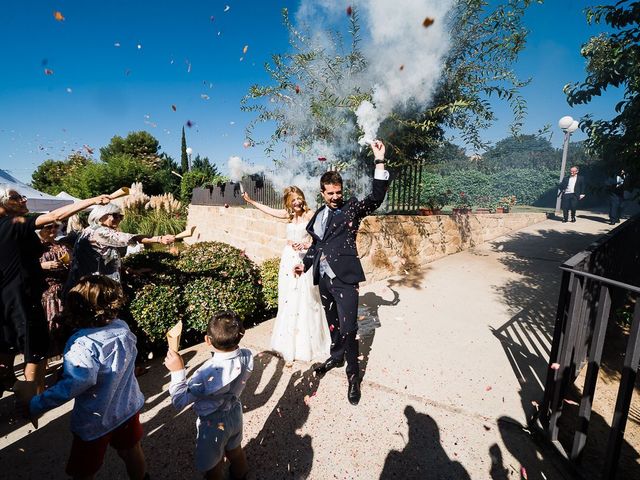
point(338, 244)
point(579, 187)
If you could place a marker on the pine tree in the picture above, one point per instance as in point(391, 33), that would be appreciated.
point(184, 160)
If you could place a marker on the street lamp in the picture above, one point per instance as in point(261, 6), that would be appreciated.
point(189, 152)
point(568, 125)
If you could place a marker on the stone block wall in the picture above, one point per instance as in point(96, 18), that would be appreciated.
point(388, 245)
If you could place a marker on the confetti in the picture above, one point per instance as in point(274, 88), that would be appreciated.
point(204, 96)
point(349, 10)
point(523, 473)
point(226, 205)
point(189, 123)
point(569, 402)
point(212, 18)
point(226, 8)
point(322, 159)
point(331, 328)
point(139, 46)
point(58, 16)
point(401, 67)
point(297, 88)
point(307, 400)
point(555, 366)
point(246, 144)
point(174, 108)
point(117, 44)
point(488, 388)
point(221, 426)
point(427, 22)
point(48, 71)
point(69, 90)
point(244, 50)
point(88, 149)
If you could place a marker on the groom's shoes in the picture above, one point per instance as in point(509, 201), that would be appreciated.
point(353, 394)
point(331, 363)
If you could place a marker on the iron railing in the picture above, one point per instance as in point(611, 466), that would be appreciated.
point(582, 318)
point(403, 196)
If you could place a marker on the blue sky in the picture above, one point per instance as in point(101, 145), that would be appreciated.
point(190, 54)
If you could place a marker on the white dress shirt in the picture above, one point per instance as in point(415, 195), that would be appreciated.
point(571, 186)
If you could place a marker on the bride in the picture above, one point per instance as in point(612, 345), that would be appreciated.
point(300, 331)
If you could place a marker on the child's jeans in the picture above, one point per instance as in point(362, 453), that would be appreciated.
point(217, 432)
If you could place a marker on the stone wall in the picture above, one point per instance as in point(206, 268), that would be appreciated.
point(388, 245)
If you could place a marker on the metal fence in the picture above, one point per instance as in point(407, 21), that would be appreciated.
point(590, 279)
point(403, 196)
point(258, 187)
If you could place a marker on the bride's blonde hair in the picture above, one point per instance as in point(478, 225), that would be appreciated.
point(289, 195)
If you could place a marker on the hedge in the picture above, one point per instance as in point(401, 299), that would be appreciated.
point(269, 271)
point(206, 277)
point(529, 186)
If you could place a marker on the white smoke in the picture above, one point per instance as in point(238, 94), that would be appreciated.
point(405, 57)
point(404, 63)
point(238, 169)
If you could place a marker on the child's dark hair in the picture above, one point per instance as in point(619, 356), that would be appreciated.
point(225, 330)
point(93, 302)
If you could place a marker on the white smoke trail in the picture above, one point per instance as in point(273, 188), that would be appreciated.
point(238, 169)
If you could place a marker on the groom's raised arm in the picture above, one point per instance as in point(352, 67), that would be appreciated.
point(373, 201)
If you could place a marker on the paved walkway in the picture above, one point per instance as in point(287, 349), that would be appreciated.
point(452, 357)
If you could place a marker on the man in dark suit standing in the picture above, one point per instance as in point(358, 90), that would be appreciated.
point(572, 189)
point(336, 265)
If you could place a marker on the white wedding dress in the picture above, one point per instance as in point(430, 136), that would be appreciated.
point(300, 331)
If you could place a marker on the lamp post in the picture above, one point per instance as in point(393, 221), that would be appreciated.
point(568, 125)
point(189, 152)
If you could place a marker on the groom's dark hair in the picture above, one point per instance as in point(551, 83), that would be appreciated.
point(330, 178)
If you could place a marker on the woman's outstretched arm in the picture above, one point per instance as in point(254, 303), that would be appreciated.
point(278, 213)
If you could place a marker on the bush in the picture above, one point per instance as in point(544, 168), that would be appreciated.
point(269, 277)
point(156, 308)
point(433, 192)
point(221, 277)
point(206, 295)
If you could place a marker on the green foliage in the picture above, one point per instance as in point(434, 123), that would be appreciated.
point(206, 295)
point(522, 151)
point(156, 308)
point(53, 176)
point(528, 185)
point(141, 146)
point(153, 222)
point(197, 178)
point(434, 193)
point(269, 270)
point(184, 159)
point(612, 61)
point(205, 278)
point(203, 164)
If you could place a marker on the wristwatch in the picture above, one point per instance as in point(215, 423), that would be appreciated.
point(379, 161)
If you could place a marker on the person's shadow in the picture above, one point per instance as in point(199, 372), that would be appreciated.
point(368, 321)
point(279, 451)
point(423, 456)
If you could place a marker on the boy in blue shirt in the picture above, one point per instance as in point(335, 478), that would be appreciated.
point(98, 371)
point(214, 389)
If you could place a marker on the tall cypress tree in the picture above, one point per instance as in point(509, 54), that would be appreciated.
point(184, 160)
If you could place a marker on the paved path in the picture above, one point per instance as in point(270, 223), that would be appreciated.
point(453, 357)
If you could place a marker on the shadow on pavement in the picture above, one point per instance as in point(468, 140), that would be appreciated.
point(527, 337)
point(368, 321)
point(279, 451)
point(423, 456)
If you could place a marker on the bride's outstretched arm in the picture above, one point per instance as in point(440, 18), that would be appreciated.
point(278, 213)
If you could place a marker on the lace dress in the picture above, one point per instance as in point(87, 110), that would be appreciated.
point(300, 331)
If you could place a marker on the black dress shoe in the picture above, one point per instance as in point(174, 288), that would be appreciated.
point(354, 394)
point(573, 220)
point(330, 364)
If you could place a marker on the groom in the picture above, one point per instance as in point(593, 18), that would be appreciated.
point(336, 265)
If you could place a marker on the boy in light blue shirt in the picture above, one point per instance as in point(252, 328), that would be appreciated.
point(98, 372)
point(214, 389)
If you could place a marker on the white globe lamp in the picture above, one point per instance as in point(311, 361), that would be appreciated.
point(565, 122)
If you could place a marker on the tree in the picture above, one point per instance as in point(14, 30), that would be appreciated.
point(522, 151)
point(51, 176)
point(184, 159)
point(203, 164)
point(612, 61)
point(316, 83)
point(139, 145)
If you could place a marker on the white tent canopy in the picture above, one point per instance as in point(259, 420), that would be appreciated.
point(36, 200)
point(67, 196)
